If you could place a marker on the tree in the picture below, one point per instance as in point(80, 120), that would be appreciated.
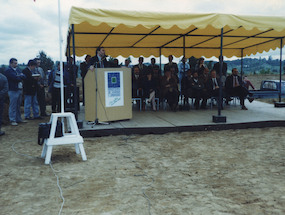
point(46, 62)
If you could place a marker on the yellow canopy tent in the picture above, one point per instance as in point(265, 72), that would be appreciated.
point(141, 33)
point(144, 33)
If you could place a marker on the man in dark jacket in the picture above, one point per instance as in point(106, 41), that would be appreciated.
point(3, 92)
point(234, 87)
point(99, 60)
point(15, 78)
point(30, 91)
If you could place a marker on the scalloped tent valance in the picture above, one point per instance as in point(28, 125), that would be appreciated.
point(140, 33)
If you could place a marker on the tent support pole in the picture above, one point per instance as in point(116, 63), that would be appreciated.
point(75, 100)
point(160, 60)
point(280, 75)
point(219, 118)
point(183, 73)
point(280, 103)
point(241, 64)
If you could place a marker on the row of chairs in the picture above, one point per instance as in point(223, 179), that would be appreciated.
point(212, 101)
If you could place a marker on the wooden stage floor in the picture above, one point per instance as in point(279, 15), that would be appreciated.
point(258, 115)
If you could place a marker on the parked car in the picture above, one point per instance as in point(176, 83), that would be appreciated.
point(269, 89)
point(273, 85)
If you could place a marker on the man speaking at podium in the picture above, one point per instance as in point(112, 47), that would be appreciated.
point(99, 60)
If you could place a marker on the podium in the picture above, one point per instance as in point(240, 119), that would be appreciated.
point(114, 94)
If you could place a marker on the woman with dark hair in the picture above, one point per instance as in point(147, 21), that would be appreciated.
point(200, 66)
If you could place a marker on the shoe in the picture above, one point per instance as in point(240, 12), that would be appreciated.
point(250, 99)
point(244, 108)
point(14, 123)
point(45, 115)
point(29, 118)
point(2, 133)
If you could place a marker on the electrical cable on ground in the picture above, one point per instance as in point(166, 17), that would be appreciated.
point(139, 175)
point(53, 170)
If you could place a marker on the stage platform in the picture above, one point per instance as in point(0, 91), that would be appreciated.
point(258, 115)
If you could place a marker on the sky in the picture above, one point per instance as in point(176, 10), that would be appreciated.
point(28, 26)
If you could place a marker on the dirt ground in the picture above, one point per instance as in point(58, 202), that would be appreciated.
point(218, 172)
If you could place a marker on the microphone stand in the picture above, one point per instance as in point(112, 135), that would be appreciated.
point(97, 122)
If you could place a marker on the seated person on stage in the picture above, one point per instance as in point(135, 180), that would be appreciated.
point(137, 83)
point(198, 91)
point(247, 83)
point(200, 67)
point(169, 89)
point(174, 73)
point(156, 75)
point(149, 89)
point(213, 85)
point(234, 87)
point(186, 87)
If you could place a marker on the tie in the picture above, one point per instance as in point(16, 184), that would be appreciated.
point(101, 64)
point(236, 82)
point(214, 83)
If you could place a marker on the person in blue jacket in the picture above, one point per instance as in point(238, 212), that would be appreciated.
point(15, 78)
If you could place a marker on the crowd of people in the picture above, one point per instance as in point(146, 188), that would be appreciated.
point(148, 83)
point(198, 82)
point(28, 84)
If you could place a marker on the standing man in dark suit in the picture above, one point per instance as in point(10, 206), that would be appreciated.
point(30, 91)
point(171, 64)
point(234, 87)
point(99, 60)
point(224, 68)
point(142, 67)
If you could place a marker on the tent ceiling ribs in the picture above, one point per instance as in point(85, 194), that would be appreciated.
point(106, 37)
point(179, 37)
point(257, 44)
point(248, 37)
point(145, 36)
point(213, 37)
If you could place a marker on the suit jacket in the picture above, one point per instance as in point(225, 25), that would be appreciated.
point(230, 82)
point(173, 64)
point(143, 69)
point(95, 62)
point(224, 69)
point(210, 86)
point(30, 83)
